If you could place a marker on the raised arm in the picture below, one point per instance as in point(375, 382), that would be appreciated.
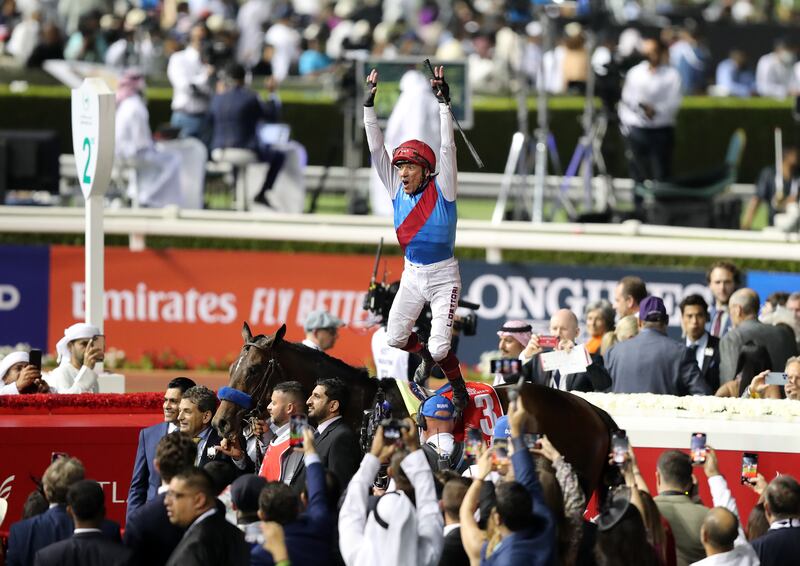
point(448, 166)
point(377, 150)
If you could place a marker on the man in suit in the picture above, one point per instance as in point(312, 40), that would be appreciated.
point(31, 535)
point(280, 462)
point(337, 445)
point(88, 546)
point(704, 347)
point(195, 411)
point(191, 504)
point(674, 483)
point(309, 534)
point(723, 278)
point(236, 112)
point(651, 362)
point(145, 480)
point(782, 508)
point(564, 325)
point(453, 553)
point(778, 340)
point(629, 292)
point(149, 534)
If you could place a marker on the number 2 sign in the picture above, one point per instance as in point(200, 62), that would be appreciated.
point(93, 110)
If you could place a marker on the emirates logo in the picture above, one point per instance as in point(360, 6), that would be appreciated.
point(5, 487)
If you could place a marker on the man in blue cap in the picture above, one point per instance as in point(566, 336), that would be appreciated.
point(436, 419)
point(651, 361)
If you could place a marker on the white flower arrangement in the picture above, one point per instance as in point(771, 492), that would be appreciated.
point(706, 407)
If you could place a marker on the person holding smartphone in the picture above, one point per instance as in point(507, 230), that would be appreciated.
point(19, 375)
point(79, 351)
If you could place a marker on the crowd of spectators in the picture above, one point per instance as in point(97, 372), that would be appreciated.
point(310, 37)
point(520, 502)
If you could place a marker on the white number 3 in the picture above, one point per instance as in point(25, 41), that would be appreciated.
point(486, 404)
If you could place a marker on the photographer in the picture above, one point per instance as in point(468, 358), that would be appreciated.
point(392, 530)
point(651, 97)
point(18, 375)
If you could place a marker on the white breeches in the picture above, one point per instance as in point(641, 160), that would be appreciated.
point(438, 284)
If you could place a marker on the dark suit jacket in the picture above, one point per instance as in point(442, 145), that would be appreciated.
point(710, 368)
point(145, 479)
point(31, 535)
point(453, 553)
point(595, 378)
point(149, 534)
point(84, 549)
point(214, 440)
point(776, 547)
point(651, 362)
point(339, 450)
point(211, 541)
point(308, 539)
point(778, 340)
point(235, 115)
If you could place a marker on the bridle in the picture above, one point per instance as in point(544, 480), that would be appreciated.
point(244, 401)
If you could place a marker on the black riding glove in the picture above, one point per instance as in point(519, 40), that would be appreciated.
point(442, 92)
point(369, 99)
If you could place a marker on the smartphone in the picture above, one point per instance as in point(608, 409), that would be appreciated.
point(532, 440)
point(35, 358)
point(57, 455)
point(698, 448)
point(776, 378)
point(473, 444)
point(99, 341)
point(500, 453)
point(506, 366)
point(392, 431)
point(619, 447)
point(548, 341)
point(297, 424)
point(749, 467)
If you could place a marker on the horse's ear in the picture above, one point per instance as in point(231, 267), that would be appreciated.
point(246, 334)
point(280, 333)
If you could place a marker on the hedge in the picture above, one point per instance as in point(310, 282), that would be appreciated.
point(704, 126)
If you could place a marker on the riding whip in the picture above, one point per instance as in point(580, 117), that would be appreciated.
point(470, 147)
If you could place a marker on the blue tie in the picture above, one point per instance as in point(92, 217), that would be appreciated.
point(557, 378)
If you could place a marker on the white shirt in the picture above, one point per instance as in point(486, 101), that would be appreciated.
point(742, 555)
point(311, 344)
point(322, 426)
point(773, 76)
point(251, 18)
point(389, 362)
point(10, 389)
point(701, 348)
point(659, 88)
point(185, 69)
point(132, 128)
point(85, 530)
point(286, 42)
point(443, 443)
point(450, 528)
point(66, 379)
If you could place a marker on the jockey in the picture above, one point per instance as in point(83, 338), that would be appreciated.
point(425, 220)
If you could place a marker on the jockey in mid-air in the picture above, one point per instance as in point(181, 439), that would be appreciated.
point(425, 220)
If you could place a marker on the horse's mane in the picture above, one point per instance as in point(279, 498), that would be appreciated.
point(342, 369)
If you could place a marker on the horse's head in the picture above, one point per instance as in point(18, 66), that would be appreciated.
point(249, 381)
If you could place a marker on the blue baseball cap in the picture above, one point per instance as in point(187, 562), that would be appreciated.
point(438, 407)
point(502, 429)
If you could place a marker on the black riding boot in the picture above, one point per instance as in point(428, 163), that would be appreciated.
point(423, 371)
point(460, 396)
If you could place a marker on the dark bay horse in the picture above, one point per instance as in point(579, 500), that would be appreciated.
point(265, 361)
point(578, 429)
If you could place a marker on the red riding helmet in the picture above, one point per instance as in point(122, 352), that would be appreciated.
point(416, 152)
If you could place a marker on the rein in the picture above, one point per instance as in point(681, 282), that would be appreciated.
point(257, 396)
